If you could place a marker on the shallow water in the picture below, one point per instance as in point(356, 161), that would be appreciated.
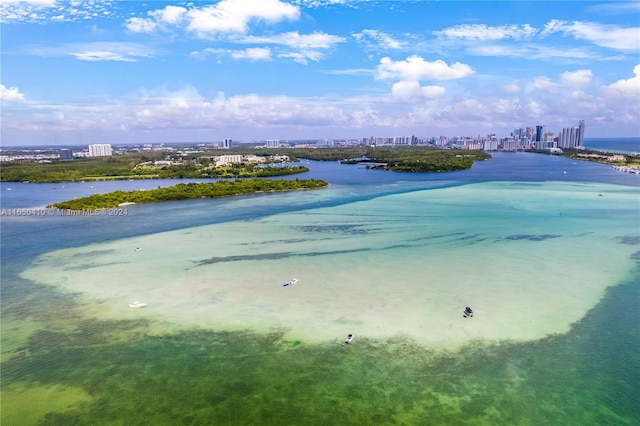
point(550, 267)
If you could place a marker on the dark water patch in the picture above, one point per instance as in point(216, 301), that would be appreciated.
point(244, 257)
point(471, 239)
point(93, 253)
point(271, 256)
point(541, 237)
point(91, 265)
point(630, 239)
point(338, 229)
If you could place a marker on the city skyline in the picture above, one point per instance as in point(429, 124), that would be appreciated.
point(165, 71)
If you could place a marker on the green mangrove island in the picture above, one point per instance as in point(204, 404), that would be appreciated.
point(398, 159)
point(187, 191)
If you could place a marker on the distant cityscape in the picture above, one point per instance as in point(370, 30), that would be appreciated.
point(527, 138)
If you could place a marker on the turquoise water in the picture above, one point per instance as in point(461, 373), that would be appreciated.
point(549, 266)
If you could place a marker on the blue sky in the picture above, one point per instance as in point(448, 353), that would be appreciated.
point(80, 72)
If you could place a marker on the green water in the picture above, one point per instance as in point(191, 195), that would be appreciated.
point(200, 377)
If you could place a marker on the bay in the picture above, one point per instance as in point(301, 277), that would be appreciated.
point(248, 362)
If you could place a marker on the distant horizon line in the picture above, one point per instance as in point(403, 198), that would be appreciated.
point(239, 142)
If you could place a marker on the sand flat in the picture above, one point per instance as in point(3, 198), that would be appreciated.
point(531, 260)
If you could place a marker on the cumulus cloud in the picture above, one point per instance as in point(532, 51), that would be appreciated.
point(545, 83)
point(412, 90)
point(10, 93)
point(629, 87)
point(609, 36)
point(484, 32)
point(415, 68)
point(579, 78)
point(224, 17)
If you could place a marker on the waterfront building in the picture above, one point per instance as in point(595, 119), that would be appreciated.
point(100, 150)
point(66, 154)
point(491, 145)
point(572, 137)
point(273, 143)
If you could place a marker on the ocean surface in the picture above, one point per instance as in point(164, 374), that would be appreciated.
point(622, 145)
point(545, 250)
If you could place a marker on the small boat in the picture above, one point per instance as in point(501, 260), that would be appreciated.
point(348, 339)
point(137, 305)
point(292, 281)
point(468, 313)
point(138, 248)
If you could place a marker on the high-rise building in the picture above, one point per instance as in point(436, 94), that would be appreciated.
point(226, 143)
point(100, 150)
point(66, 154)
point(571, 137)
point(539, 134)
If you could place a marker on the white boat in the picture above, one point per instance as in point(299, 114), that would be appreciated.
point(292, 281)
point(137, 305)
point(348, 339)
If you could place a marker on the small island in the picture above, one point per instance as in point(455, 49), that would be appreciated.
point(188, 191)
point(415, 159)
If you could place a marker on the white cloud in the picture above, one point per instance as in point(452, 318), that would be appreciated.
point(303, 57)
point(170, 14)
point(305, 47)
point(316, 40)
point(377, 39)
point(51, 10)
point(141, 25)
point(10, 93)
point(233, 16)
point(224, 17)
point(629, 88)
point(252, 53)
point(544, 83)
point(412, 90)
point(415, 68)
point(483, 32)
point(98, 51)
point(579, 78)
point(609, 36)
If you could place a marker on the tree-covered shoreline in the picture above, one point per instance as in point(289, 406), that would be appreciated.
point(168, 165)
point(416, 159)
point(188, 191)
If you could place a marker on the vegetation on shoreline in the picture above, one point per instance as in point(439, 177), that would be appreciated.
point(200, 166)
point(397, 159)
point(188, 191)
point(123, 166)
point(613, 158)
